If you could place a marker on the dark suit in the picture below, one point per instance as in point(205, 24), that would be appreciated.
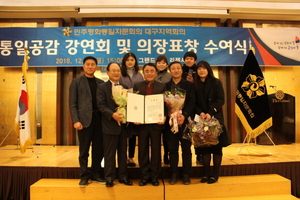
point(211, 101)
point(150, 168)
point(81, 109)
point(174, 139)
point(114, 136)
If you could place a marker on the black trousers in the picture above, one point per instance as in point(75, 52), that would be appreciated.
point(173, 143)
point(115, 144)
point(150, 166)
point(91, 136)
point(131, 146)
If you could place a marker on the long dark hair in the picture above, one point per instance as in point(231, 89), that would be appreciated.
point(124, 67)
point(210, 74)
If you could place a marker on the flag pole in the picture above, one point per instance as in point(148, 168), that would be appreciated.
point(249, 139)
point(252, 105)
point(26, 58)
point(272, 141)
point(33, 150)
point(6, 136)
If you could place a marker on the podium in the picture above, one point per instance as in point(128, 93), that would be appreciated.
point(282, 107)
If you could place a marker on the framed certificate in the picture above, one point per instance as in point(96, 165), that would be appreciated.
point(145, 109)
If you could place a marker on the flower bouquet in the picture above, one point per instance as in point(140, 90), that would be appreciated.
point(204, 133)
point(174, 100)
point(119, 95)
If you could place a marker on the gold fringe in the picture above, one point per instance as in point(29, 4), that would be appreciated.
point(26, 145)
point(253, 133)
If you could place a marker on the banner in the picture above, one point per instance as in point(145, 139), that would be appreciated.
point(251, 102)
point(220, 46)
point(22, 121)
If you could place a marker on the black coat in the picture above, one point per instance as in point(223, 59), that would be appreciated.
point(107, 106)
point(211, 101)
point(80, 100)
point(186, 70)
point(189, 103)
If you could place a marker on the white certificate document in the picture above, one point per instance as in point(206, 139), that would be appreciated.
point(145, 109)
point(135, 108)
point(154, 108)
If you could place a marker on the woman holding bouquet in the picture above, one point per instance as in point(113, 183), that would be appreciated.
point(130, 76)
point(209, 102)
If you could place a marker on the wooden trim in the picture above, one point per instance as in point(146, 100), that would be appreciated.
point(59, 112)
point(73, 22)
point(21, 20)
point(231, 103)
point(71, 131)
point(228, 23)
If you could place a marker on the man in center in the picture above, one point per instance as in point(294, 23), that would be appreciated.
point(150, 167)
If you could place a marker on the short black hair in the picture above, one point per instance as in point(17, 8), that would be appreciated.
point(90, 57)
point(190, 54)
point(150, 64)
point(172, 63)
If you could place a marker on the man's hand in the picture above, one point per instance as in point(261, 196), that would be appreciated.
point(118, 117)
point(190, 78)
point(78, 126)
point(162, 122)
point(180, 119)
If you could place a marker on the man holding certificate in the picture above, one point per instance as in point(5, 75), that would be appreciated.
point(180, 99)
point(114, 132)
point(150, 167)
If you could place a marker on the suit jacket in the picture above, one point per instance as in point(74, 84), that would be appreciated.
point(211, 101)
point(159, 88)
point(107, 106)
point(80, 100)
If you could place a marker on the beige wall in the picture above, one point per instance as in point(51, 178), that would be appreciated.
point(9, 90)
point(49, 103)
point(285, 79)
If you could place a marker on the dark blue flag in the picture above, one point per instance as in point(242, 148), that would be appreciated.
point(251, 101)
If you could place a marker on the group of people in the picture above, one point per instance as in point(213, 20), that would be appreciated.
point(94, 114)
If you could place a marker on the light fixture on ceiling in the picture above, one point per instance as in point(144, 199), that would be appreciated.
point(154, 10)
